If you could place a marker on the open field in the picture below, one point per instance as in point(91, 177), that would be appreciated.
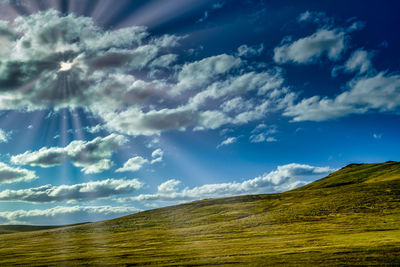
point(350, 217)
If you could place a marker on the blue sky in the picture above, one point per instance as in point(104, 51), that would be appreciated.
point(108, 108)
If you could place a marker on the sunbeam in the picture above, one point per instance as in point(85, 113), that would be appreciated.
point(109, 108)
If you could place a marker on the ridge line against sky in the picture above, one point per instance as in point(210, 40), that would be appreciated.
point(138, 102)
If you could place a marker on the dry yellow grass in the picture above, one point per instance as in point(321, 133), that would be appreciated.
point(351, 217)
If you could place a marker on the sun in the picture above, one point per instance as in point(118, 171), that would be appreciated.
point(65, 66)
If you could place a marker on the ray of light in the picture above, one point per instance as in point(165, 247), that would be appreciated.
point(184, 161)
point(36, 119)
point(82, 7)
point(103, 10)
point(77, 126)
point(19, 7)
point(8, 13)
point(43, 4)
point(158, 12)
point(64, 6)
point(40, 4)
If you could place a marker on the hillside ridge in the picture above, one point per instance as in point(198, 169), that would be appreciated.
point(349, 217)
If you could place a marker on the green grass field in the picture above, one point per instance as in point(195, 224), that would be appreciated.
point(351, 217)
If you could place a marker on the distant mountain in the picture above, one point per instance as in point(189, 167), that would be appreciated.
point(350, 217)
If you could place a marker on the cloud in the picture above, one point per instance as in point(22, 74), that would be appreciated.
point(197, 74)
point(130, 80)
point(3, 136)
point(262, 137)
point(93, 156)
point(319, 18)
point(157, 155)
point(133, 121)
point(133, 164)
point(77, 192)
point(95, 129)
point(379, 93)
point(204, 17)
point(284, 178)
point(267, 82)
point(10, 174)
point(377, 136)
point(206, 13)
point(227, 141)
point(261, 132)
point(250, 51)
point(359, 61)
point(30, 76)
point(61, 215)
point(237, 104)
point(310, 48)
point(218, 5)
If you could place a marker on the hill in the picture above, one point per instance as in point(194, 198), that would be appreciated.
point(8, 229)
point(350, 217)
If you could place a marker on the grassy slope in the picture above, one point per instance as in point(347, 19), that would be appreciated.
point(8, 229)
point(350, 217)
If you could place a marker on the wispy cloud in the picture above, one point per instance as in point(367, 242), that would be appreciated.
point(3, 136)
point(227, 141)
point(377, 136)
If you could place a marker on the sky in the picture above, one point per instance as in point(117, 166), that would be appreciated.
point(108, 108)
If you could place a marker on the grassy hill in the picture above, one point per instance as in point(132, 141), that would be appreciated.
point(350, 217)
point(8, 229)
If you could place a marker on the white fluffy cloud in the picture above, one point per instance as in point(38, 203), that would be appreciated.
point(262, 83)
point(77, 192)
point(93, 156)
point(157, 155)
point(10, 174)
point(378, 93)
point(133, 164)
point(61, 215)
point(310, 48)
point(196, 74)
point(129, 79)
point(284, 178)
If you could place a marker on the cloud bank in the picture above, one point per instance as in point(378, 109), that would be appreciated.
point(284, 178)
point(77, 192)
point(127, 78)
point(64, 215)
